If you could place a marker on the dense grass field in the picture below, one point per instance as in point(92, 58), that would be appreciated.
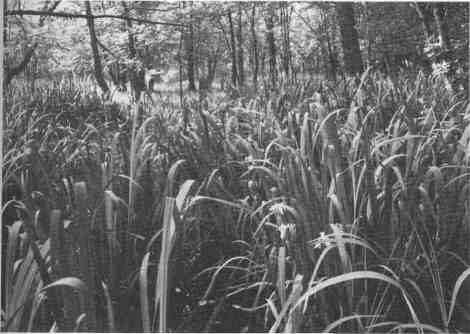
point(336, 207)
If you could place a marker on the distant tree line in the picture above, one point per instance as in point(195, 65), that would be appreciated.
point(243, 43)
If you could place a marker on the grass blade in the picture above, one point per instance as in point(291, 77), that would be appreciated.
point(144, 302)
point(458, 284)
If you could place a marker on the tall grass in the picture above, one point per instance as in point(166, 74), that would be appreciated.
point(319, 207)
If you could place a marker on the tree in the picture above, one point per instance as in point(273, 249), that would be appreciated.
point(132, 37)
point(136, 73)
point(190, 55)
point(326, 31)
point(349, 38)
point(438, 10)
point(285, 18)
point(254, 43)
point(241, 74)
point(233, 49)
point(94, 47)
point(271, 44)
point(438, 42)
point(11, 72)
point(425, 14)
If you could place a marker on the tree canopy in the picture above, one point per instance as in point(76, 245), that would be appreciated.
point(247, 42)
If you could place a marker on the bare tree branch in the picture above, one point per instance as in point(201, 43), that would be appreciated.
point(84, 16)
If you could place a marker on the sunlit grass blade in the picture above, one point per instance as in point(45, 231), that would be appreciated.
point(143, 288)
point(109, 308)
point(458, 284)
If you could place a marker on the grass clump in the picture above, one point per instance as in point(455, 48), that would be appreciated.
point(316, 208)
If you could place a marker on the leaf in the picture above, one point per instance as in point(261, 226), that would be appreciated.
point(339, 322)
point(183, 193)
point(420, 327)
point(362, 274)
point(196, 199)
point(13, 233)
point(396, 139)
point(78, 323)
point(214, 276)
point(172, 176)
point(281, 273)
point(71, 282)
point(458, 284)
point(273, 309)
point(144, 303)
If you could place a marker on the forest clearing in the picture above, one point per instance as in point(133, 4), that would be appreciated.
point(209, 166)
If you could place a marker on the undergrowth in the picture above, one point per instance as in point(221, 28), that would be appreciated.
point(315, 207)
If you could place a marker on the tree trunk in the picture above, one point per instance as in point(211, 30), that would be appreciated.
point(136, 75)
point(5, 22)
point(241, 74)
point(255, 48)
point(233, 49)
point(262, 63)
point(331, 57)
point(425, 15)
point(349, 38)
point(368, 35)
point(446, 54)
point(442, 29)
point(180, 75)
point(94, 47)
point(212, 69)
point(322, 63)
point(190, 60)
point(130, 35)
point(269, 22)
point(332, 63)
point(285, 24)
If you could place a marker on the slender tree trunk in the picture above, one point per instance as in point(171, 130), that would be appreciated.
point(269, 22)
point(349, 38)
point(241, 74)
point(322, 63)
point(368, 35)
point(426, 17)
point(94, 47)
point(285, 20)
point(5, 21)
point(130, 35)
point(334, 50)
point(180, 74)
point(190, 60)
point(331, 56)
point(445, 44)
point(136, 75)
point(211, 68)
point(262, 63)
point(255, 48)
point(441, 25)
point(34, 73)
point(233, 49)
point(197, 55)
point(422, 9)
